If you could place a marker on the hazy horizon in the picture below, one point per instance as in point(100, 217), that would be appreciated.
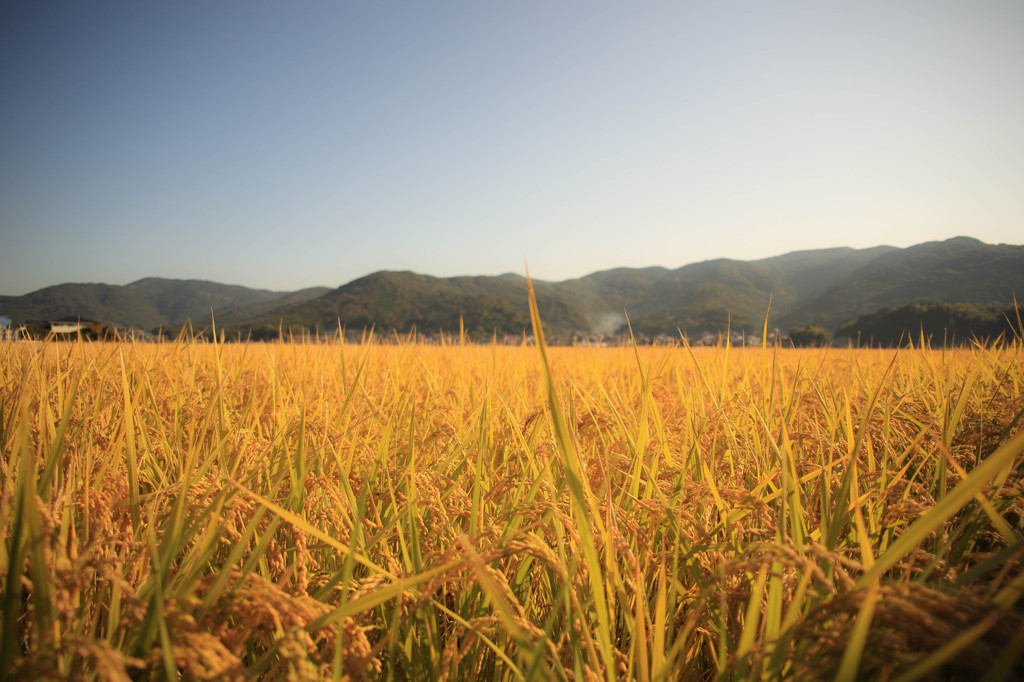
point(282, 147)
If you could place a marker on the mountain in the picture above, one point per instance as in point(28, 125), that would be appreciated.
point(402, 301)
point(958, 270)
point(105, 303)
point(706, 296)
point(824, 286)
point(715, 294)
point(241, 312)
point(804, 273)
point(147, 303)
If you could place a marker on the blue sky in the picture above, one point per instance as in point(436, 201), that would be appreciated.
point(284, 145)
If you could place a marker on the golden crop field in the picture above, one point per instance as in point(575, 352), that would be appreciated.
point(401, 511)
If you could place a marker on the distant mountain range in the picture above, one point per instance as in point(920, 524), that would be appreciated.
point(825, 286)
point(149, 303)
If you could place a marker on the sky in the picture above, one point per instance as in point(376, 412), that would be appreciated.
point(286, 145)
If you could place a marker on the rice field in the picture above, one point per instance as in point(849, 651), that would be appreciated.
point(399, 511)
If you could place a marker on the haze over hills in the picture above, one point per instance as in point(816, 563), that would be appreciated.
point(824, 286)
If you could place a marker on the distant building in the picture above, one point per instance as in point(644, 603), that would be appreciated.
point(68, 327)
